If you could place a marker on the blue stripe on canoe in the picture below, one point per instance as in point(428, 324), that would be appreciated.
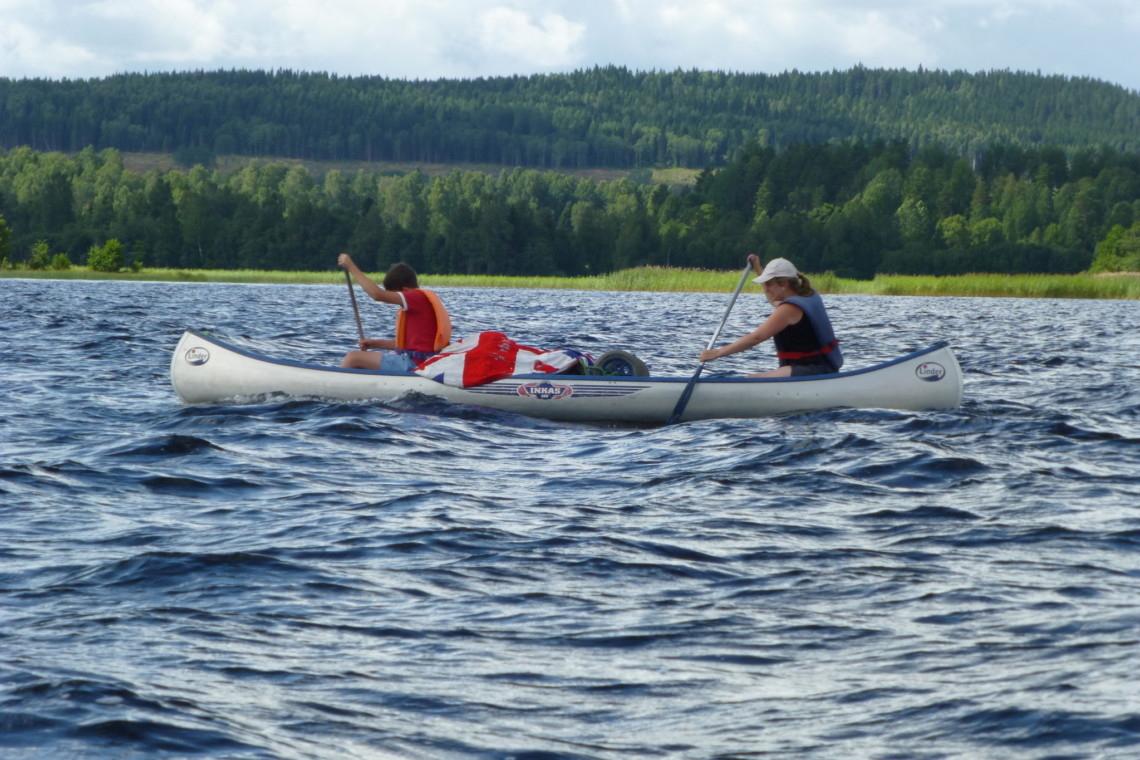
point(511, 388)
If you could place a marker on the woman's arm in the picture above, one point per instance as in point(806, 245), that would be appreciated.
point(375, 291)
point(784, 315)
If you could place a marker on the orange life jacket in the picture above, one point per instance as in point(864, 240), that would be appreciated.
point(442, 323)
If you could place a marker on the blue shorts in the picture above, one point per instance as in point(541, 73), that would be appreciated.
point(804, 370)
point(401, 361)
point(396, 361)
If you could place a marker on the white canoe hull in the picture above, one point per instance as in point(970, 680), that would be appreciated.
point(207, 370)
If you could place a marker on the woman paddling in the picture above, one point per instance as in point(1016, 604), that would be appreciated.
point(422, 323)
point(799, 325)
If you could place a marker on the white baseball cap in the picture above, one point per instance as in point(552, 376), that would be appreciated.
point(777, 268)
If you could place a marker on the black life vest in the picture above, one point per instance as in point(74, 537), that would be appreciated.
point(811, 340)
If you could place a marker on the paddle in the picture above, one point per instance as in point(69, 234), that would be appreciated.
point(684, 400)
point(355, 308)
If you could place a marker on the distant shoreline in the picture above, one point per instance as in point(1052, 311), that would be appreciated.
point(661, 279)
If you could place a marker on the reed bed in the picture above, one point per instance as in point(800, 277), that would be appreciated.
point(665, 279)
point(1004, 285)
point(659, 279)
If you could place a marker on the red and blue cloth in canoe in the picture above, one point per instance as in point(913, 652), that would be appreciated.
point(491, 356)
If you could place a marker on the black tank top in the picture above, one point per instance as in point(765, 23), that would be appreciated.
point(798, 338)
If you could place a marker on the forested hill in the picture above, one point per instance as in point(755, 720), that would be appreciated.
point(600, 117)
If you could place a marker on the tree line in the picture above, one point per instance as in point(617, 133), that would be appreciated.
point(855, 209)
point(599, 117)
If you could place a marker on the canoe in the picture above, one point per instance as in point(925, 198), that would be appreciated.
point(207, 370)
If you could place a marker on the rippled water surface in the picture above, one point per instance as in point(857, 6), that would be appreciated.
point(307, 579)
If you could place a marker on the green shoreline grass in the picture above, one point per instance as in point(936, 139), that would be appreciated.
point(662, 279)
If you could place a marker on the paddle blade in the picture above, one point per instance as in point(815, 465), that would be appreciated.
point(683, 402)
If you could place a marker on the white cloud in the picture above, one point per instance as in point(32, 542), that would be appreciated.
point(545, 43)
point(36, 56)
point(428, 39)
point(876, 40)
point(171, 31)
point(624, 10)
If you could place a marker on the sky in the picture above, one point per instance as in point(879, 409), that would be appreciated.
point(432, 39)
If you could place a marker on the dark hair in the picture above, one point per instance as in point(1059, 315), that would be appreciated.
point(400, 276)
point(800, 284)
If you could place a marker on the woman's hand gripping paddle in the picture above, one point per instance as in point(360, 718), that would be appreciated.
point(688, 392)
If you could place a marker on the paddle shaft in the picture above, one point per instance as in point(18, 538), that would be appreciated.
point(355, 308)
point(688, 392)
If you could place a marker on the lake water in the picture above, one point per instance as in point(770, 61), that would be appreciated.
point(306, 579)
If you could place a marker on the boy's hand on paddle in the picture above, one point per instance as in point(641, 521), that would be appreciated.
point(709, 354)
point(344, 261)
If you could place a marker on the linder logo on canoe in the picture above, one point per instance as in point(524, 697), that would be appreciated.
point(545, 391)
point(197, 356)
point(930, 372)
